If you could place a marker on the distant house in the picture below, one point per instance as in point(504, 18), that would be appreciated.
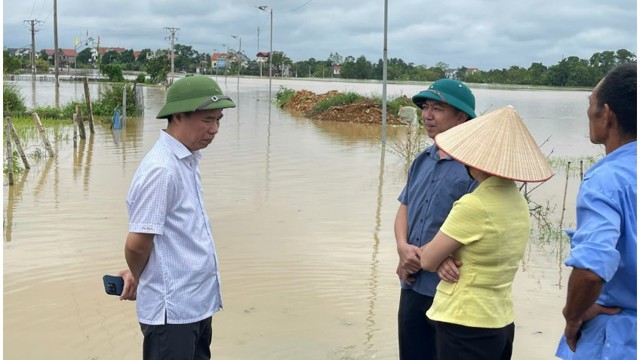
point(262, 57)
point(243, 59)
point(104, 49)
point(220, 60)
point(450, 73)
point(19, 51)
point(67, 56)
point(336, 69)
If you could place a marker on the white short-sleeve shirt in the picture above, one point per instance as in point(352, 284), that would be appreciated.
point(180, 283)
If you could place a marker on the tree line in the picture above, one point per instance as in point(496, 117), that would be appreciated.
point(570, 71)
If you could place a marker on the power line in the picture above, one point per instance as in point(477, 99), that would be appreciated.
point(301, 6)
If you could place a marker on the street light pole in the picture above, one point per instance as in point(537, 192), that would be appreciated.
point(384, 77)
point(270, 10)
point(238, 54)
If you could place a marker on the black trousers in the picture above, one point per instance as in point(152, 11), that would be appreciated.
point(456, 342)
point(416, 333)
point(177, 341)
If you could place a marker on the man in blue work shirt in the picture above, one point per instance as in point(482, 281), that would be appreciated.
point(434, 183)
point(600, 311)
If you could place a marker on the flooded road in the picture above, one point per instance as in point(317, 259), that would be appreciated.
point(302, 214)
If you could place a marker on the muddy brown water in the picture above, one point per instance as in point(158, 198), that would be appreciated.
point(302, 213)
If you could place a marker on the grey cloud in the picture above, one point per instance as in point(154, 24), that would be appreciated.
point(485, 34)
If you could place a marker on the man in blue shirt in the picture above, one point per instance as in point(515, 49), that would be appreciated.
point(600, 311)
point(434, 183)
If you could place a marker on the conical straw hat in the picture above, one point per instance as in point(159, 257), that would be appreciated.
point(497, 143)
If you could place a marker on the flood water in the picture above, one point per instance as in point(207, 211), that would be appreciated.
point(302, 213)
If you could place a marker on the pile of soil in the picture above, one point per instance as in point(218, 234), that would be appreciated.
point(365, 111)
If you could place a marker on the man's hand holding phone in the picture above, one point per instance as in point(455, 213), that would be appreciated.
point(130, 287)
point(122, 285)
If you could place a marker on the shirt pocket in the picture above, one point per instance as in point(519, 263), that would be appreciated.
point(446, 287)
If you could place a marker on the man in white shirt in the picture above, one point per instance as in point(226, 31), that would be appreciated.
point(170, 251)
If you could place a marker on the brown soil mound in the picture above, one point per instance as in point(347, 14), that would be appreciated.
point(365, 111)
point(305, 100)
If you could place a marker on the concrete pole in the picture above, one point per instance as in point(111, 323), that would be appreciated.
point(55, 43)
point(384, 76)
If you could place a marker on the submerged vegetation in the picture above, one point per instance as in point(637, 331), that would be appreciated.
point(12, 99)
point(108, 99)
point(55, 118)
point(336, 100)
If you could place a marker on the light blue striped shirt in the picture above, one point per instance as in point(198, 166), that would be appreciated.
point(181, 282)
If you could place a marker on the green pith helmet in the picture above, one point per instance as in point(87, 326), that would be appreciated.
point(193, 93)
point(449, 91)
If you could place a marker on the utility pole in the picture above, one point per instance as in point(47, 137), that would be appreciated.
point(173, 32)
point(33, 23)
point(55, 42)
point(384, 76)
point(270, 11)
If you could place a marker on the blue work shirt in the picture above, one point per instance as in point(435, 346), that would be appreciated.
point(605, 242)
point(433, 185)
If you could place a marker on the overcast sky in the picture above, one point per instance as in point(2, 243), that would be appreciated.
point(488, 34)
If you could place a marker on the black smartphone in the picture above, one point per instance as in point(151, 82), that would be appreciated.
point(113, 284)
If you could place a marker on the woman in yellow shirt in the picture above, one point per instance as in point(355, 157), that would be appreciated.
point(479, 247)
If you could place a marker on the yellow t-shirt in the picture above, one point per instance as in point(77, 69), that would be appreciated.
point(493, 225)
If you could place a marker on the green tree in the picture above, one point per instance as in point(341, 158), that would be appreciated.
point(158, 68)
point(516, 75)
point(442, 65)
point(42, 66)
point(461, 74)
point(280, 61)
point(127, 59)
point(625, 56)
point(11, 64)
point(603, 61)
point(112, 71)
point(538, 74)
point(571, 71)
point(145, 55)
point(308, 68)
point(84, 56)
point(397, 69)
point(356, 69)
point(109, 57)
point(43, 55)
point(186, 58)
point(335, 59)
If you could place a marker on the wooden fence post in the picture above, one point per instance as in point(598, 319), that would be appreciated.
point(7, 138)
point(87, 98)
point(43, 134)
point(83, 134)
point(16, 139)
point(75, 131)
